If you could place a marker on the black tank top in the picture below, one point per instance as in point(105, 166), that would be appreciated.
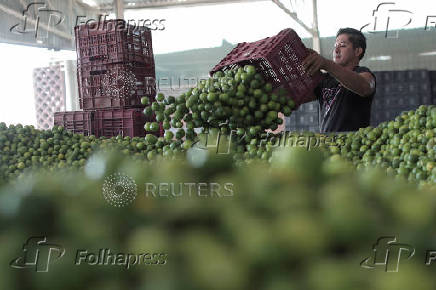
point(340, 109)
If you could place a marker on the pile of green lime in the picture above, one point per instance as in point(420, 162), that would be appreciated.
point(26, 148)
point(405, 146)
point(237, 99)
point(301, 223)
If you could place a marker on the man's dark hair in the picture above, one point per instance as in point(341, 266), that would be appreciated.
point(356, 38)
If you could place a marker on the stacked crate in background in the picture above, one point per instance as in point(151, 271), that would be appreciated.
point(433, 85)
point(115, 69)
point(305, 118)
point(78, 122)
point(49, 88)
point(399, 91)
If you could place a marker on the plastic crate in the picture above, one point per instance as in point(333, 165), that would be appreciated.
point(124, 122)
point(78, 122)
point(113, 41)
point(400, 76)
point(290, 122)
point(418, 75)
point(383, 115)
point(279, 59)
point(310, 107)
point(114, 85)
point(307, 119)
point(313, 129)
point(379, 116)
point(384, 76)
point(406, 100)
point(49, 93)
point(421, 88)
point(377, 102)
point(378, 76)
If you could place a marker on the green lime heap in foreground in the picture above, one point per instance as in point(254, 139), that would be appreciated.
point(303, 222)
point(296, 219)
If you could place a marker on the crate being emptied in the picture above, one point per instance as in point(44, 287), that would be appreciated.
point(279, 59)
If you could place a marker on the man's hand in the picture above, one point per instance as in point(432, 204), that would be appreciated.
point(314, 62)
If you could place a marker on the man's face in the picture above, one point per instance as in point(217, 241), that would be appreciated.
point(344, 53)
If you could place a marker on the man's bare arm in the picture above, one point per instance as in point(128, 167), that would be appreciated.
point(362, 84)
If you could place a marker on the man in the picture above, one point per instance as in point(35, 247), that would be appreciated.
point(346, 92)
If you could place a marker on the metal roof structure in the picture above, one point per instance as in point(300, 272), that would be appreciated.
point(139, 4)
point(42, 23)
point(382, 54)
point(50, 23)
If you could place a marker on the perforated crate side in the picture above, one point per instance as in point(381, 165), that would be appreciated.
point(279, 59)
point(78, 122)
point(49, 92)
point(124, 122)
point(115, 85)
point(104, 43)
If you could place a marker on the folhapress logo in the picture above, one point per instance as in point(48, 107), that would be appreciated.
point(387, 253)
point(38, 254)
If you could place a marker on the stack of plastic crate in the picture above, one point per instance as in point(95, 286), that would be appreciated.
point(49, 87)
point(115, 69)
point(399, 91)
point(306, 118)
point(433, 85)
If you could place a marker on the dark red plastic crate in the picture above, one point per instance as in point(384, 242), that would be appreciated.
point(124, 122)
point(114, 85)
point(279, 59)
point(113, 41)
point(78, 122)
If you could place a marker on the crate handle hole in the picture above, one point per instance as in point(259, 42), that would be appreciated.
point(97, 72)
